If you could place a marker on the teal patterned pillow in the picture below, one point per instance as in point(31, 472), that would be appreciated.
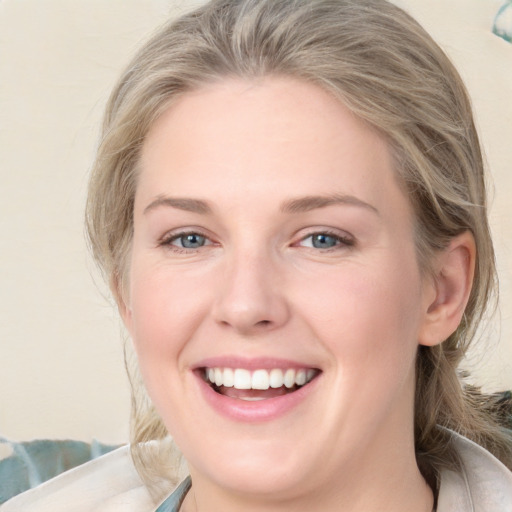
point(25, 465)
point(502, 26)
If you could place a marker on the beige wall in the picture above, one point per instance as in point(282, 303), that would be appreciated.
point(61, 372)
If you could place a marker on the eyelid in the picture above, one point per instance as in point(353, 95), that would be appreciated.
point(170, 236)
point(344, 238)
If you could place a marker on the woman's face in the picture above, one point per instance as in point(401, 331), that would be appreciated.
point(273, 246)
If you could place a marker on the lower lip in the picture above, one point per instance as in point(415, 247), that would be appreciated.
point(259, 410)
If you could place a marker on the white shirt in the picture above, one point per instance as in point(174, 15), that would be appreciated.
point(111, 484)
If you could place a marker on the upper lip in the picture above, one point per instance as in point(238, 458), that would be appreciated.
point(257, 363)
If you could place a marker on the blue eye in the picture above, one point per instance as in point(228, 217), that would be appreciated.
point(189, 241)
point(325, 241)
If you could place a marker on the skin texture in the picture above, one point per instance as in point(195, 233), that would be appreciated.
point(259, 288)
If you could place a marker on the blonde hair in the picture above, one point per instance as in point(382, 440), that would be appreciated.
point(381, 64)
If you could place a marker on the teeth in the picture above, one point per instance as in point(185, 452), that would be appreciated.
point(240, 378)
point(228, 378)
point(300, 378)
point(276, 378)
point(218, 377)
point(289, 378)
point(260, 379)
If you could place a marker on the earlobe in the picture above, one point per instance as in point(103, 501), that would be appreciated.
point(452, 282)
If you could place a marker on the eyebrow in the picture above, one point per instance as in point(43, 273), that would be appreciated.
point(298, 205)
point(182, 203)
point(307, 203)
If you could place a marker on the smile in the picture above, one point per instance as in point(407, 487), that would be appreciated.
point(259, 384)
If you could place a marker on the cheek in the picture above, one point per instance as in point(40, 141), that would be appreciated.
point(165, 312)
point(369, 319)
point(372, 340)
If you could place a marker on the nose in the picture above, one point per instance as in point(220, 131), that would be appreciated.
point(251, 296)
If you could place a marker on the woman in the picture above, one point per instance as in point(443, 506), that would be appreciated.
point(289, 205)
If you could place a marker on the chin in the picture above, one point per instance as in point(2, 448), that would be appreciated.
point(260, 468)
point(260, 480)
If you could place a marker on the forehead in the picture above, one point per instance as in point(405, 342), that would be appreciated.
point(278, 134)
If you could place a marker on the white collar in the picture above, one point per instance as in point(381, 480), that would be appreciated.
point(484, 484)
point(111, 484)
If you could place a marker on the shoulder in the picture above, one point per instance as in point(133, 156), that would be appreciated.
point(108, 483)
point(483, 484)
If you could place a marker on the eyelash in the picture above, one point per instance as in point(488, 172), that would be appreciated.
point(167, 241)
point(342, 241)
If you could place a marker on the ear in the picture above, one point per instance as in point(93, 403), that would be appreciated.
point(450, 287)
